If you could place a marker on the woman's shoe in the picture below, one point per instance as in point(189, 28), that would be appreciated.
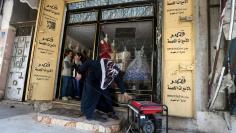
point(64, 99)
point(69, 97)
point(97, 118)
point(113, 116)
point(77, 98)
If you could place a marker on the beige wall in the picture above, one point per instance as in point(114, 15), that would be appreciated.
point(45, 53)
point(179, 58)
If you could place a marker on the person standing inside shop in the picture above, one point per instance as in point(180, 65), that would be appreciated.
point(82, 76)
point(99, 76)
point(67, 75)
point(76, 81)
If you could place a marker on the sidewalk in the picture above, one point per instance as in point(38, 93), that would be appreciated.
point(18, 118)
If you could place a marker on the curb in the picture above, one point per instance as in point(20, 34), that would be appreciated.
point(78, 123)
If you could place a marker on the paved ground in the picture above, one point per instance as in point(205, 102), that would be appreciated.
point(18, 119)
point(9, 110)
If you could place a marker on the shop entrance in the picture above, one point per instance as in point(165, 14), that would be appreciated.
point(130, 29)
point(81, 38)
point(77, 39)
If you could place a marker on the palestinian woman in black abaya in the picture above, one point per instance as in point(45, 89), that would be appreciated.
point(99, 76)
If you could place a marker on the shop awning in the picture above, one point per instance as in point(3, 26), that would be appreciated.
point(32, 3)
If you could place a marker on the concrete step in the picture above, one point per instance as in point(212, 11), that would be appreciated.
point(71, 104)
point(75, 105)
point(71, 118)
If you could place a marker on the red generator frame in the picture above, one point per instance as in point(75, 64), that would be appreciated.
point(146, 117)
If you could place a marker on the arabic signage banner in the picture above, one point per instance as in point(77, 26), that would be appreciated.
point(41, 83)
point(32, 3)
point(178, 65)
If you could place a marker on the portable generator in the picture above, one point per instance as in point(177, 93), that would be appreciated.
point(146, 117)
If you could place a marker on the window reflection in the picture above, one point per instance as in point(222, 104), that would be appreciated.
point(132, 51)
point(83, 17)
point(81, 39)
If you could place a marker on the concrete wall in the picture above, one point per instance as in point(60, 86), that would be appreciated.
point(6, 43)
point(201, 82)
point(7, 13)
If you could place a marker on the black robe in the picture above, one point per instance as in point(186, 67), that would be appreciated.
point(93, 96)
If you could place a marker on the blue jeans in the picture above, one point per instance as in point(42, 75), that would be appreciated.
point(77, 88)
point(66, 86)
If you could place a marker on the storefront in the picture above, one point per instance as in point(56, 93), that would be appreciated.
point(130, 30)
point(134, 29)
point(170, 35)
point(129, 27)
point(17, 30)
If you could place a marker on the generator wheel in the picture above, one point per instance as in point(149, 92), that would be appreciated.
point(148, 127)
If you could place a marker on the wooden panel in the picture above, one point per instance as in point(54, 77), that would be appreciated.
point(43, 79)
point(174, 9)
point(178, 44)
point(46, 48)
point(178, 89)
point(179, 57)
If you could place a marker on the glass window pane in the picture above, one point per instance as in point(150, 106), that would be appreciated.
point(78, 39)
point(127, 12)
point(83, 17)
point(123, 1)
point(81, 39)
point(132, 45)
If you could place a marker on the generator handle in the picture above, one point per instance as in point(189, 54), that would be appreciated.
point(165, 108)
point(130, 100)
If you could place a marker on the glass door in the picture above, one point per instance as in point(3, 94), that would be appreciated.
point(132, 45)
point(78, 39)
point(81, 39)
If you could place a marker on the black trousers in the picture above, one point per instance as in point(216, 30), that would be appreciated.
point(105, 102)
point(95, 98)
